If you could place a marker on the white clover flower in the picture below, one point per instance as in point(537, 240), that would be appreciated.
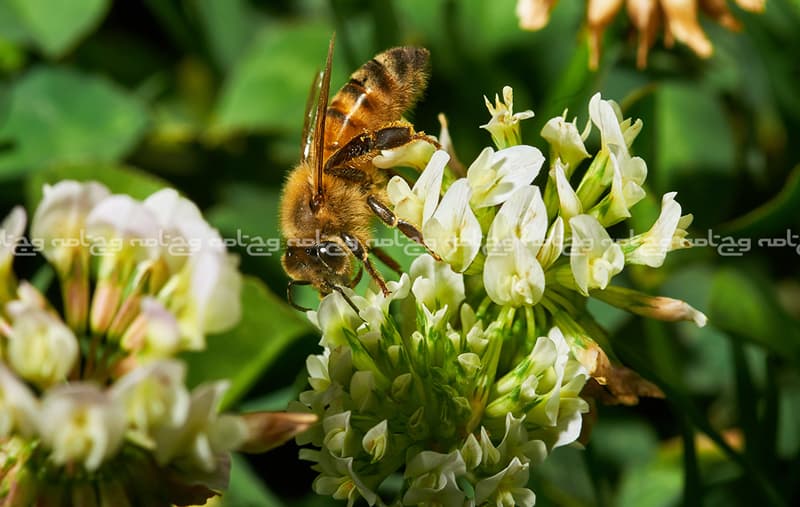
point(204, 292)
point(335, 318)
point(626, 190)
point(517, 442)
point(41, 348)
point(494, 176)
point(560, 417)
point(432, 478)
point(153, 396)
point(512, 274)
point(435, 284)
point(416, 205)
point(453, 232)
point(553, 245)
point(204, 435)
point(11, 231)
point(18, 406)
point(183, 232)
point(507, 487)
point(79, 422)
point(338, 479)
point(60, 219)
point(415, 154)
point(154, 333)
point(614, 131)
point(595, 258)
point(566, 143)
point(667, 234)
point(569, 203)
point(504, 124)
point(119, 225)
point(213, 297)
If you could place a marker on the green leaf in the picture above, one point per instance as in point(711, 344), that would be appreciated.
point(772, 216)
point(246, 489)
point(268, 86)
point(58, 116)
point(653, 485)
point(119, 179)
point(695, 149)
point(746, 307)
point(11, 28)
point(268, 325)
point(229, 27)
point(57, 26)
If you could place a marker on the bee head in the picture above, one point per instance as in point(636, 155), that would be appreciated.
point(324, 265)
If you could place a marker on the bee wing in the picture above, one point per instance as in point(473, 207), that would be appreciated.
point(318, 148)
point(310, 119)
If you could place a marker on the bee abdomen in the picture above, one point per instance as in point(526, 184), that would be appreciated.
point(377, 93)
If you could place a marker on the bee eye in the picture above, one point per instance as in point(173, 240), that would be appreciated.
point(329, 249)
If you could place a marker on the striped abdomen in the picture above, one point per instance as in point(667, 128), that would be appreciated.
point(376, 94)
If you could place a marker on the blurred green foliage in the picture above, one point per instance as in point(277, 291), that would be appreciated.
point(208, 96)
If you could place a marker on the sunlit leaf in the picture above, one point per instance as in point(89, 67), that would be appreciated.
point(60, 116)
point(56, 26)
point(268, 86)
point(744, 306)
point(241, 355)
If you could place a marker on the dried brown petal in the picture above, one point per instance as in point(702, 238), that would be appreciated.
point(534, 14)
point(682, 23)
point(267, 430)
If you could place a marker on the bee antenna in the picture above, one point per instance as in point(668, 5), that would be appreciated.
point(289, 297)
point(349, 301)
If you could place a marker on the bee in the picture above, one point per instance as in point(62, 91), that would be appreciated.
point(331, 197)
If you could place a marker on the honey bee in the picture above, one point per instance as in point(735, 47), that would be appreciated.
point(333, 194)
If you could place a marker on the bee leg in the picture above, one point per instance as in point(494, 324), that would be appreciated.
point(356, 278)
point(387, 260)
point(346, 298)
point(389, 218)
point(361, 252)
point(290, 298)
point(368, 143)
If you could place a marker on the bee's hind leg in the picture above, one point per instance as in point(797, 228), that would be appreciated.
point(389, 218)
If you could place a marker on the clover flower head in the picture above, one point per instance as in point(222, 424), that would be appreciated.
point(472, 369)
point(92, 393)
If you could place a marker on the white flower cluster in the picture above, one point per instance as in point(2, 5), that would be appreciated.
point(495, 220)
point(380, 390)
point(470, 371)
point(92, 381)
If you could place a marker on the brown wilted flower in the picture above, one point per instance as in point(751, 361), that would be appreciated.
point(678, 17)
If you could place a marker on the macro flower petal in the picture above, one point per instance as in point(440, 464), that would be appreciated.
point(80, 422)
point(494, 176)
point(417, 204)
point(453, 232)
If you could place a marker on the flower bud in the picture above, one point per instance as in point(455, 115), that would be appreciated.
point(41, 348)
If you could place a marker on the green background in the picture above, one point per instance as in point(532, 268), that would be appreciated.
point(208, 96)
